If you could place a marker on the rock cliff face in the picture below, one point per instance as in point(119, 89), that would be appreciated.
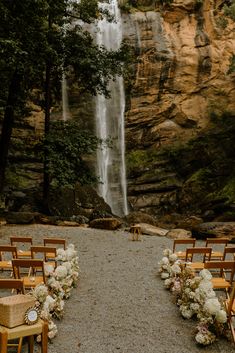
point(179, 80)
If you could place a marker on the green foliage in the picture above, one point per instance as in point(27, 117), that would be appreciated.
point(232, 65)
point(221, 22)
point(230, 10)
point(139, 160)
point(228, 190)
point(66, 146)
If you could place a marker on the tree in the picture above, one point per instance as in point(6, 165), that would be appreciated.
point(36, 49)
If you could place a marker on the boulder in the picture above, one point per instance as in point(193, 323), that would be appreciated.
point(105, 223)
point(82, 200)
point(140, 217)
point(21, 217)
point(214, 230)
point(148, 229)
point(179, 233)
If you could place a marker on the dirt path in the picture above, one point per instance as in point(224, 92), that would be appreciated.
point(120, 305)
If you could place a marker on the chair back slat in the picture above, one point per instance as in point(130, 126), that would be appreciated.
point(222, 266)
point(34, 264)
point(228, 250)
point(205, 251)
point(45, 250)
point(54, 241)
point(17, 284)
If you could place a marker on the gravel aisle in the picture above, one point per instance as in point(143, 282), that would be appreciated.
point(120, 305)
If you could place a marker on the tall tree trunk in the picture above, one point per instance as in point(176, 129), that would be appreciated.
point(46, 181)
point(7, 126)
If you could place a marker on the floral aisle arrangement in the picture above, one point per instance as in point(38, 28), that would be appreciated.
point(60, 281)
point(195, 297)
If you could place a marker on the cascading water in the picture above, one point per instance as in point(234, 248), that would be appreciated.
point(110, 122)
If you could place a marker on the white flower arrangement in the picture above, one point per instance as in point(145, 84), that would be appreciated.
point(195, 297)
point(60, 281)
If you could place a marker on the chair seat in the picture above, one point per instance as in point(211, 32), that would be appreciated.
point(196, 265)
point(22, 330)
point(41, 327)
point(220, 283)
point(32, 281)
point(216, 254)
point(22, 253)
point(6, 264)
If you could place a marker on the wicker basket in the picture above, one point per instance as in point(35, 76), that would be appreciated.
point(13, 308)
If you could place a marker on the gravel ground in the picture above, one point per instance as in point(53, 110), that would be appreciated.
point(120, 304)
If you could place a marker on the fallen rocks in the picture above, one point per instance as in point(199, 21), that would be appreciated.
point(179, 233)
point(105, 223)
point(148, 229)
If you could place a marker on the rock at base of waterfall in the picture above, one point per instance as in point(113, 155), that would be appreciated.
point(105, 223)
point(148, 229)
point(179, 233)
point(214, 230)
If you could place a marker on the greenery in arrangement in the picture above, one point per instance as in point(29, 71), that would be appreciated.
point(41, 39)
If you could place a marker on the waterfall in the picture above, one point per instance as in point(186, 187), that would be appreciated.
point(110, 122)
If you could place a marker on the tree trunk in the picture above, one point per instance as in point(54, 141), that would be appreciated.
point(46, 181)
point(7, 125)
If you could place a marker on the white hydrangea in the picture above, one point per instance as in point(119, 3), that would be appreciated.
point(49, 303)
point(167, 252)
point(40, 292)
point(61, 272)
point(212, 306)
point(173, 257)
point(221, 316)
point(165, 275)
point(205, 274)
point(176, 269)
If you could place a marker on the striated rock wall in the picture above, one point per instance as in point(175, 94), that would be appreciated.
point(179, 78)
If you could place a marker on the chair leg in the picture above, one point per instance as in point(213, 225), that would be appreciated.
point(44, 337)
point(3, 342)
point(30, 344)
point(20, 345)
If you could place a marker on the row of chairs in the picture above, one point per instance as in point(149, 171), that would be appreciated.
point(26, 259)
point(214, 243)
point(29, 265)
point(28, 241)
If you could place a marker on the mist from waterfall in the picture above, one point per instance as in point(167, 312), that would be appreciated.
point(110, 122)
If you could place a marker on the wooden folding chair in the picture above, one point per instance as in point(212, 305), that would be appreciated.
point(230, 309)
point(55, 242)
point(201, 252)
point(41, 327)
point(46, 251)
point(223, 274)
point(34, 266)
point(229, 251)
point(22, 241)
point(12, 283)
point(217, 245)
point(183, 244)
point(11, 252)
